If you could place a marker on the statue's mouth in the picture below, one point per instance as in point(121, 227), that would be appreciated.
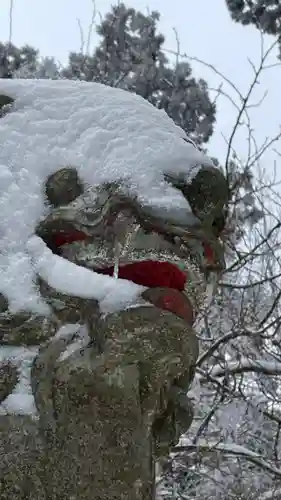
point(167, 285)
point(169, 280)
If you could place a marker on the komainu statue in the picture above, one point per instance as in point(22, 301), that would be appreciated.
point(110, 249)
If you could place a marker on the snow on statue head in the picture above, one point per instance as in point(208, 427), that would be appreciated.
point(88, 162)
point(110, 220)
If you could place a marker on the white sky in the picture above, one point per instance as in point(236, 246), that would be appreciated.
point(205, 31)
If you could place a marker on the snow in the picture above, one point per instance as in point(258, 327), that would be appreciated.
point(245, 364)
point(77, 338)
point(68, 278)
point(21, 400)
point(108, 135)
point(231, 449)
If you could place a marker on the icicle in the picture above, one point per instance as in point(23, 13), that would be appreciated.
point(121, 248)
point(129, 238)
point(117, 253)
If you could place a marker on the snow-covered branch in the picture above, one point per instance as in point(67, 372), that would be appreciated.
point(247, 365)
point(219, 342)
point(230, 449)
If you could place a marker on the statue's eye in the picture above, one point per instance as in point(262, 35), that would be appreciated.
point(63, 187)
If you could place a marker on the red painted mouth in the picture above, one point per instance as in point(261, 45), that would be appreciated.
point(62, 238)
point(151, 274)
point(164, 280)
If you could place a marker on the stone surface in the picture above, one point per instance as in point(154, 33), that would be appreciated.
point(8, 379)
point(208, 196)
point(25, 329)
point(21, 459)
point(98, 410)
point(106, 414)
point(5, 104)
point(63, 186)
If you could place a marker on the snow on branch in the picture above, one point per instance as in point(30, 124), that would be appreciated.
point(230, 449)
point(247, 365)
point(219, 342)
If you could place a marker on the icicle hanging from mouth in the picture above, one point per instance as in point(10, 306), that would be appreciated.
point(117, 253)
point(128, 239)
point(122, 247)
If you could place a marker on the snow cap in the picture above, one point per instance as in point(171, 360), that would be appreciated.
point(108, 135)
